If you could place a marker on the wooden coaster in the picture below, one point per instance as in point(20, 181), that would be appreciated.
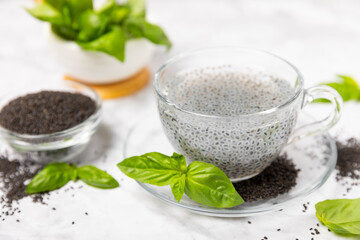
point(119, 89)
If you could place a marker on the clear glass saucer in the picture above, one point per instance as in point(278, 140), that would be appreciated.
point(315, 156)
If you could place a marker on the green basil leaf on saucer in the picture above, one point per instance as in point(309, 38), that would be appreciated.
point(200, 181)
point(45, 12)
point(154, 168)
point(91, 26)
point(177, 185)
point(341, 216)
point(138, 8)
point(96, 178)
point(208, 185)
point(178, 161)
point(51, 177)
point(112, 43)
point(139, 27)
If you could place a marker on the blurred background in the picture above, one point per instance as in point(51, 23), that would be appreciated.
point(320, 37)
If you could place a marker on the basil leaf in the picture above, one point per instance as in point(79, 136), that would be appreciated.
point(348, 81)
point(112, 43)
point(139, 27)
point(78, 7)
point(154, 168)
point(91, 26)
point(346, 92)
point(64, 32)
point(105, 29)
point(177, 185)
point(137, 7)
point(208, 185)
point(53, 176)
point(341, 216)
point(346, 86)
point(202, 182)
point(178, 161)
point(107, 7)
point(45, 12)
point(119, 14)
point(353, 87)
point(57, 4)
point(339, 228)
point(66, 17)
point(95, 177)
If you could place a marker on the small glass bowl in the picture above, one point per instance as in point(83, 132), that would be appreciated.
point(59, 146)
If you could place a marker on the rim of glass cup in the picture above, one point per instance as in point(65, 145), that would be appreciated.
point(70, 131)
point(300, 81)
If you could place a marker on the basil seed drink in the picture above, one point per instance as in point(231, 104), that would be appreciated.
point(214, 118)
point(236, 108)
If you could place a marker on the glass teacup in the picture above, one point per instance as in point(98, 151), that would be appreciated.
point(238, 125)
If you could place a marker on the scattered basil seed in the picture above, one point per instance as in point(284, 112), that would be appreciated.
point(348, 164)
point(305, 207)
point(13, 174)
point(275, 180)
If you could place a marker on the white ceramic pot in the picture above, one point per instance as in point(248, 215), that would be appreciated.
point(98, 67)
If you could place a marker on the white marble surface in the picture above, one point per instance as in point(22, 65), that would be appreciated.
point(321, 37)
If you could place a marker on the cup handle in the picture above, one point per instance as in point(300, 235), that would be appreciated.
point(319, 92)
